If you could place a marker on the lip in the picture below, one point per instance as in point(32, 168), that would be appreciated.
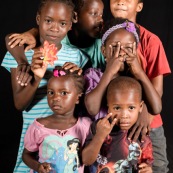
point(124, 124)
point(53, 37)
point(57, 107)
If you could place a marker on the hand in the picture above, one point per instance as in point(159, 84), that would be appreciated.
point(114, 64)
point(37, 66)
point(142, 126)
point(72, 67)
point(144, 168)
point(104, 126)
point(24, 74)
point(21, 39)
point(132, 61)
point(44, 168)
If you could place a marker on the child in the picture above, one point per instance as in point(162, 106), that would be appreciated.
point(119, 44)
point(84, 35)
point(114, 152)
point(155, 64)
point(53, 27)
point(59, 137)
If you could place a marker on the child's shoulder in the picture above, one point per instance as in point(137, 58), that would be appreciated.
point(145, 33)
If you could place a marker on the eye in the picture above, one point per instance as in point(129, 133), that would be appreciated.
point(48, 21)
point(63, 24)
point(50, 93)
point(64, 93)
point(116, 108)
point(131, 107)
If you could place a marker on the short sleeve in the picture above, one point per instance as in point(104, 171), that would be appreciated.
point(31, 138)
point(82, 59)
point(92, 78)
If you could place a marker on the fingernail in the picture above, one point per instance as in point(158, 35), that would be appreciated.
point(18, 81)
point(41, 57)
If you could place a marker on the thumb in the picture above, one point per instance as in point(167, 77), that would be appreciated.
point(29, 47)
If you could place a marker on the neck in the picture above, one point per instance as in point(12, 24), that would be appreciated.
point(80, 39)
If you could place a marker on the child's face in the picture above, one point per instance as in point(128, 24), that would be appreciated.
point(125, 8)
point(62, 95)
point(54, 22)
point(125, 105)
point(125, 38)
point(90, 18)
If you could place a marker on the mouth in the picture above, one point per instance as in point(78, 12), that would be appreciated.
point(56, 107)
point(98, 28)
point(124, 124)
point(52, 37)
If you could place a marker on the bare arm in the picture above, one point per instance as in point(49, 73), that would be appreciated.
point(30, 160)
point(103, 128)
point(24, 95)
point(152, 97)
point(96, 95)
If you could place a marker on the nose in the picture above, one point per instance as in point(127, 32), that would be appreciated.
point(57, 97)
point(55, 27)
point(100, 19)
point(124, 114)
point(120, 2)
point(122, 53)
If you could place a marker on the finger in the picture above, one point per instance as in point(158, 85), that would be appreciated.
point(143, 134)
point(132, 132)
point(29, 47)
point(15, 43)
point(28, 80)
point(110, 54)
point(134, 48)
point(117, 50)
point(22, 42)
point(136, 134)
point(80, 71)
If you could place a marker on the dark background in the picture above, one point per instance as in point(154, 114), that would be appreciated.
point(19, 16)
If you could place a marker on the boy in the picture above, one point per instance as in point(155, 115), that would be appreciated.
point(114, 152)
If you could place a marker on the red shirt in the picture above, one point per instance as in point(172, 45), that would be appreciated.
point(154, 61)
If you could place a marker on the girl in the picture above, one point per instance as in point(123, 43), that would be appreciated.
point(58, 138)
point(53, 26)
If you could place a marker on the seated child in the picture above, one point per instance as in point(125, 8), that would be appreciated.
point(58, 138)
point(108, 145)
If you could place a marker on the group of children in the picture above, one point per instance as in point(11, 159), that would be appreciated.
point(122, 88)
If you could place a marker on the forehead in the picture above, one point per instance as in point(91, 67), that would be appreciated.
point(121, 35)
point(124, 96)
point(61, 82)
point(56, 8)
point(89, 4)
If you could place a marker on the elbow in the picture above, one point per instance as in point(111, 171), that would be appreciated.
point(91, 109)
point(19, 106)
point(156, 109)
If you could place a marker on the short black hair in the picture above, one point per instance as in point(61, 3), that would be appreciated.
point(78, 5)
point(124, 83)
point(44, 2)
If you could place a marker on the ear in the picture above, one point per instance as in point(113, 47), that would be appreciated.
point(78, 97)
point(75, 17)
point(139, 7)
point(103, 50)
point(38, 19)
point(141, 106)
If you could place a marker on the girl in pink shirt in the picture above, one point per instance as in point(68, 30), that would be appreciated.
point(58, 138)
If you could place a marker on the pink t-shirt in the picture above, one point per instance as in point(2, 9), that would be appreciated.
point(154, 61)
point(60, 148)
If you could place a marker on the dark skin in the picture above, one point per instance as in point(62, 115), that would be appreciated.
point(62, 95)
point(130, 9)
point(120, 48)
point(87, 26)
point(53, 26)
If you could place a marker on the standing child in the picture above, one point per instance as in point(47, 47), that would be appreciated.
point(119, 44)
point(109, 147)
point(84, 35)
point(53, 27)
point(59, 137)
point(155, 64)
